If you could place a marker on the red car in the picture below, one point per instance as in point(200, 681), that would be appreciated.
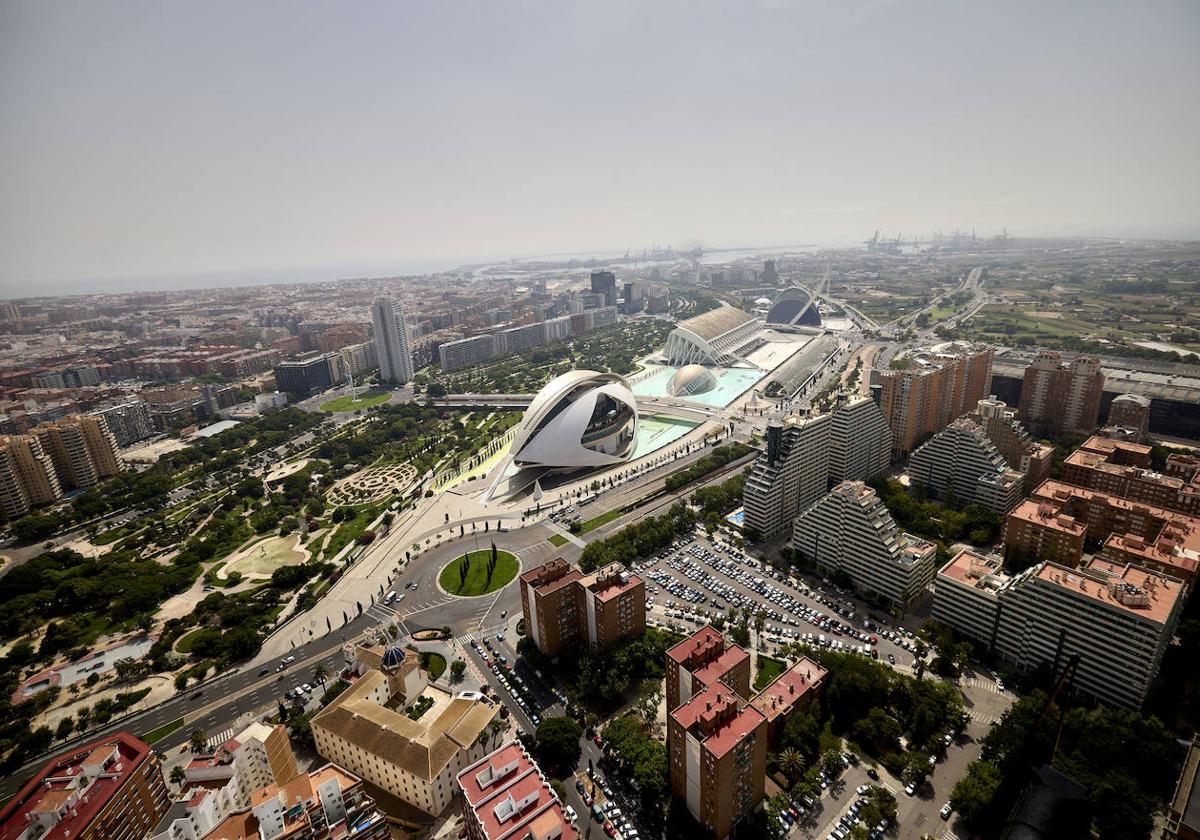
point(597, 739)
point(609, 830)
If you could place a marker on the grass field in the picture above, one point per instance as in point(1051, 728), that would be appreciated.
point(162, 731)
point(348, 403)
point(768, 669)
point(476, 582)
point(437, 665)
point(557, 540)
point(184, 645)
point(596, 521)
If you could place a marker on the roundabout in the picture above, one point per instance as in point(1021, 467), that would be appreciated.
point(467, 575)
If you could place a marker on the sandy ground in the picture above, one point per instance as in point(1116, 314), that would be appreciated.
point(161, 687)
point(151, 452)
point(265, 556)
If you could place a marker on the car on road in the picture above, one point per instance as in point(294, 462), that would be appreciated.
point(946, 811)
point(1000, 685)
point(262, 672)
point(862, 789)
point(910, 789)
point(873, 773)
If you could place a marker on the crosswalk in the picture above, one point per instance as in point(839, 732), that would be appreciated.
point(984, 719)
point(221, 737)
point(980, 683)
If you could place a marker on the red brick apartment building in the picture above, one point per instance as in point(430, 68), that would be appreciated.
point(562, 606)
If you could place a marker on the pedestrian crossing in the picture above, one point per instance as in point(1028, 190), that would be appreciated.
point(984, 719)
point(221, 737)
point(980, 683)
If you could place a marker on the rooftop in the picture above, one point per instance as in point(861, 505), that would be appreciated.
point(707, 655)
point(716, 718)
point(97, 769)
point(423, 747)
point(551, 576)
point(716, 322)
point(510, 797)
point(1048, 515)
point(783, 692)
point(981, 571)
point(609, 582)
point(1127, 588)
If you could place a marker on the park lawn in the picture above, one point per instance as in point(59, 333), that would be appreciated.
point(557, 540)
point(162, 731)
point(348, 532)
point(184, 645)
point(596, 521)
point(349, 403)
point(437, 665)
point(476, 582)
point(768, 669)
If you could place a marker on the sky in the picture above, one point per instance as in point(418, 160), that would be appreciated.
point(148, 144)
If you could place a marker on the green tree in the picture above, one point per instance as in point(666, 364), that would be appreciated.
point(457, 667)
point(178, 777)
point(558, 742)
point(198, 740)
point(792, 763)
point(974, 792)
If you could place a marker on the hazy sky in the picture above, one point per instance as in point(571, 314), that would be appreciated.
point(148, 143)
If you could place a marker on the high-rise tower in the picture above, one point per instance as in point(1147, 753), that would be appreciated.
point(391, 341)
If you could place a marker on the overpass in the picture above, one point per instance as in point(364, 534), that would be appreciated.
point(646, 405)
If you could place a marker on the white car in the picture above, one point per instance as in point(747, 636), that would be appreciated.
point(946, 811)
point(910, 789)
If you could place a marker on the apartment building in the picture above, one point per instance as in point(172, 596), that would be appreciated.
point(563, 607)
point(1061, 399)
point(804, 454)
point(1183, 811)
point(859, 440)
point(1012, 440)
point(717, 757)
point(1131, 412)
point(505, 796)
point(393, 344)
point(1123, 469)
point(1118, 618)
point(309, 374)
point(850, 531)
point(109, 788)
point(1054, 522)
point(321, 804)
point(129, 421)
point(27, 475)
point(255, 757)
point(789, 476)
point(415, 761)
point(702, 660)
point(81, 448)
point(960, 463)
point(454, 355)
point(793, 691)
point(939, 385)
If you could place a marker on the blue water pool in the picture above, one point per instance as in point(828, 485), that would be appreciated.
point(731, 383)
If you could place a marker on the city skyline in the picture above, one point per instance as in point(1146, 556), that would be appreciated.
point(319, 144)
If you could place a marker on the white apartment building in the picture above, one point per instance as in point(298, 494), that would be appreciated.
point(789, 476)
point(414, 760)
point(393, 347)
point(465, 352)
point(129, 421)
point(257, 756)
point(860, 441)
point(961, 461)
point(849, 530)
point(1118, 618)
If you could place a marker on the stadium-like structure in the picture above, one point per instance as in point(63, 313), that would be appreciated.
point(713, 338)
point(579, 419)
point(794, 307)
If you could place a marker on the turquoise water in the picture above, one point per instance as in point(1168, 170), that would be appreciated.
point(738, 517)
point(656, 431)
point(731, 383)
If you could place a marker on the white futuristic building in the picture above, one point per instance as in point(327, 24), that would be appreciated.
point(692, 379)
point(713, 338)
point(579, 419)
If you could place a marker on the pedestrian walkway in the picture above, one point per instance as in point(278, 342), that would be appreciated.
point(564, 533)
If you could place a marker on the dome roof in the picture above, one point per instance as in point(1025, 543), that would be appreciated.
point(763, 301)
point(692, 379)
point(393, 657)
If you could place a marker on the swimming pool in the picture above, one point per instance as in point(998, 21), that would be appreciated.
point(731, 383)
point(656, 431)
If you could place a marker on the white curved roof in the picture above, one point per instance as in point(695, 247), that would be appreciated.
point(716, 323)
point(692, 379)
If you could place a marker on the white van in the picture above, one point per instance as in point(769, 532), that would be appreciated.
point(391, 596)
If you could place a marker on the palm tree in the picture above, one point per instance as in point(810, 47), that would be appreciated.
point(495, 728)
point(198, 740)
point(177, 775)
point(320, 674)
point(791, 762)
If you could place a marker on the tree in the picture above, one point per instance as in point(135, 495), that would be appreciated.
point(320, 674)
point(178, 777)
point(457, 667)
point(831, 763)
point(974, 792)
point(792, 763)
point(198, 739)
point(558, 742)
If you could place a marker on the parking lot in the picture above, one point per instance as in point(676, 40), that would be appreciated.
point(701, 578)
